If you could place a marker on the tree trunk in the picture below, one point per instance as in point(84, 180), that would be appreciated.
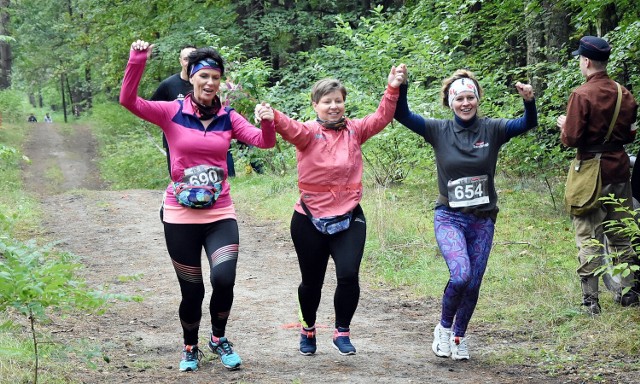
point(557, 31)
point(5, 48)
point(64, 101)
point(608, 20)
point(72, 101)
point(89, 92)
point(535, 41)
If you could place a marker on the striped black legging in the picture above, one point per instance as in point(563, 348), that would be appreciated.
point(184, 243)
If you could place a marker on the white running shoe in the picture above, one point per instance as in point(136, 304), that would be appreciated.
point(459, 350)
point(441, 346)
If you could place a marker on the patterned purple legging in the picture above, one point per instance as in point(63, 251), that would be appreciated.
point(465, 242)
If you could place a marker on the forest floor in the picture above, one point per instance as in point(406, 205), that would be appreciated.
point(118, 237)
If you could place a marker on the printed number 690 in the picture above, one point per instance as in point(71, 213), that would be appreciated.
point(204, 178)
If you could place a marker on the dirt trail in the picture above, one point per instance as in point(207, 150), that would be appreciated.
point(119, 237)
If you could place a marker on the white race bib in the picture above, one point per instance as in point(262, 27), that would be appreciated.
point(203, 175)
point(468, 191)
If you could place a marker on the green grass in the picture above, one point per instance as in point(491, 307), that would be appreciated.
point(531, 292)
point(14, 202)
point(20, 218)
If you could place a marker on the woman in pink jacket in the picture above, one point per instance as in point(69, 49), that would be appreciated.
point(328, 220)
point(197, 206)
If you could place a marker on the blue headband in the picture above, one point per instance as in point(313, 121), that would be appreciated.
point(204, 64)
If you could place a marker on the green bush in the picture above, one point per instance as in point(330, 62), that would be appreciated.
point(12, 107)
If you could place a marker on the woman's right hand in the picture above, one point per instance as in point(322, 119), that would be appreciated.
point(263, 111)
point(141, 45)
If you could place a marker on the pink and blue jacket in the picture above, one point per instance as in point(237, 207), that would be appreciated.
point(190, 142)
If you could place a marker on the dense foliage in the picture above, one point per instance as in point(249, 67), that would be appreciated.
point(276, 49)
point(70, 55)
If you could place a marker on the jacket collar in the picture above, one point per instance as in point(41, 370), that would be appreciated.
point(598, 75)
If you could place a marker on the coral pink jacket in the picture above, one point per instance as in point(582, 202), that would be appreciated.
point(330, 161)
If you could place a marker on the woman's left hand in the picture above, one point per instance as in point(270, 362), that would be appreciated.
point(397, 75)
point(525, 90)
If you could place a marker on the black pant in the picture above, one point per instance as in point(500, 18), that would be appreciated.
point(220, 242)
point(313, 249)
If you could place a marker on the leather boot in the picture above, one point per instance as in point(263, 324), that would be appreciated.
point(590, 294)
point(629, 299)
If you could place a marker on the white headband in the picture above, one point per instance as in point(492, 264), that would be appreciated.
point(462, 85)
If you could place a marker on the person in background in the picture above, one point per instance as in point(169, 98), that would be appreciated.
point(32, 118)
point(231, 92)
point(47, 118)
point(198, 210)
point(328, 220)
point(590, 112)
point(176, 86)
point(466, 149)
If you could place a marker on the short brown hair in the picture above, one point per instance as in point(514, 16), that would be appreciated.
point(459, 74)
point(326, 86)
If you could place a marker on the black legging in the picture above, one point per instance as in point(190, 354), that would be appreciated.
point(220, 242)
point(313, 249)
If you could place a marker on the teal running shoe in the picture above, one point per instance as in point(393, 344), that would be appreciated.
point(222, 348)
point(191, 357)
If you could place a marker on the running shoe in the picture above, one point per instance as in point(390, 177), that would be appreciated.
point(222, 348)
point(440, 345)
point(191, 357)
point(308, 341)
point(342, 342)
point(459, 349)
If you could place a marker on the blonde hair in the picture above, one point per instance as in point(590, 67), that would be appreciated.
point(326, 86)
point(459, 74)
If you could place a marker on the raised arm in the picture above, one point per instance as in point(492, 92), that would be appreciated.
point(529, 120)
point(248, 133)
point(404, 116)
point(147, 110)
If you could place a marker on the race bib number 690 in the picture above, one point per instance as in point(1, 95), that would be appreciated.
point(203, 175)
point(468, 191)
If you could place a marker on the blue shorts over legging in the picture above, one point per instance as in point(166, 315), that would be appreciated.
point(465, 242)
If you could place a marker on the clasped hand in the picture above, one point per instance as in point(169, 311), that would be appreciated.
point(263, 111)
point(397, 75)
point(141, 45)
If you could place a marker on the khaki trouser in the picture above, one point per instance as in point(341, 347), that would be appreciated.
point(591, 227)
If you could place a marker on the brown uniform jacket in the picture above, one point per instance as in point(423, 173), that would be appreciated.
point(589, 113)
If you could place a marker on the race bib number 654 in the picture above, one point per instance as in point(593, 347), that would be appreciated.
point(468, 191)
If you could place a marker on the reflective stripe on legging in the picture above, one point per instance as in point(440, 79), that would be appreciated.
point(465, 242)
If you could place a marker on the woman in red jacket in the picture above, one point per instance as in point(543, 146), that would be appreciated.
point(327, 219)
